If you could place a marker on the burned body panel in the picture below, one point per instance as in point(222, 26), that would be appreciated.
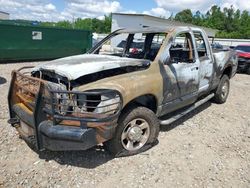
point(86, 64)
point(132, 85)
point(224, 61)
point(75, 102)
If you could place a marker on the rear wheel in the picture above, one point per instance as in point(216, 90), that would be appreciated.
point(137, 131)
point(222, 91)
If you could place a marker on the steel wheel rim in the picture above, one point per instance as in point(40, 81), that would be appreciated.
point(224, 90)
point(135, 134)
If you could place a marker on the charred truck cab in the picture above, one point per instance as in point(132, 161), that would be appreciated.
point(118, 94)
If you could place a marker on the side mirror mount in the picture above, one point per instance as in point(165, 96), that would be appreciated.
point(168, 61)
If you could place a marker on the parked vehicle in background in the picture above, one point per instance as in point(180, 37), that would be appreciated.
point(243, 53)
point(119, 98)
point(135, 47)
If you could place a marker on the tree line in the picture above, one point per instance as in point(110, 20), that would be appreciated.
point(229, 22)
point(93, 24)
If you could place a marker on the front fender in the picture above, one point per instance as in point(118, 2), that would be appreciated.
point(131, 85)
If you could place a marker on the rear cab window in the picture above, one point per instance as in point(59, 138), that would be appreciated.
point(182, 49)
point(201, 46)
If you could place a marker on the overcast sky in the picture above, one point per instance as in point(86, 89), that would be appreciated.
point(56, 10)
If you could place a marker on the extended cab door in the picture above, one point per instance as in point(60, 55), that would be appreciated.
point(180, 73)
point(205, 57)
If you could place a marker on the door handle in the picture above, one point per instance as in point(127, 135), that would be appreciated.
point(194, 68)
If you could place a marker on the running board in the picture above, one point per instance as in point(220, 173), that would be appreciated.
point(183, 113)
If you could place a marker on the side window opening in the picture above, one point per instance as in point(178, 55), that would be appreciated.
point(145, 47)
point(182, 50)
point(201, 45)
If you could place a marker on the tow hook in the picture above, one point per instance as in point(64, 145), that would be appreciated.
point(15, 122)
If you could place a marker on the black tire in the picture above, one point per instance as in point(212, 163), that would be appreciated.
point(248, 71)
point(134, 114)
point(222, 91)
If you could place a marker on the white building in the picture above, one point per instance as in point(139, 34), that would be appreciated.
point(232, 42)
point(4, 15)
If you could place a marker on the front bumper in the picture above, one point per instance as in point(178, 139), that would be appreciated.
point(57, 137)
point(243, 64)
point(61, 137)
point(37, 116)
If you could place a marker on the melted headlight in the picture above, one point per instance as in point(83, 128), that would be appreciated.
point(94, 104)
point(107, 102)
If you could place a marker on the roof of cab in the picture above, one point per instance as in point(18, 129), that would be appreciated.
point(161, 29)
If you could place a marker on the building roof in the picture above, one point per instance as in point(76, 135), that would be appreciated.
point(160, 29)
point(145, 15)
point(209, 31)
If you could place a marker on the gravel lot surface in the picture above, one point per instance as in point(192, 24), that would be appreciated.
point(208, 148)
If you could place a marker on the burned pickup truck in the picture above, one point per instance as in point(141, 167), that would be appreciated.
point(119, 95)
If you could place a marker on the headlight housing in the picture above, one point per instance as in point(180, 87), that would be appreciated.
point(99, 103)
point(91, 105)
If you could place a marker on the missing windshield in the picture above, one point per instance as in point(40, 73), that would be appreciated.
point(131, 45)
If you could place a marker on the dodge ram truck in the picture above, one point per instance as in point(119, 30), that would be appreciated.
point(119, 98)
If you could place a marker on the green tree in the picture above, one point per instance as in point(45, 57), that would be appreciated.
point(215, 18)
point(245, 24)
point(185, 16)
point(83, 23)
point(107, 23)
point(64, 24)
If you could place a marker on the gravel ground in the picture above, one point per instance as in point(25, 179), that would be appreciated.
point(208, 148)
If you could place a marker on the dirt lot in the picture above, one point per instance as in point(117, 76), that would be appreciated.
point(208, 148)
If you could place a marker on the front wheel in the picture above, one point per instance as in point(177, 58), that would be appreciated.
point(137, 131)
point(222, 90)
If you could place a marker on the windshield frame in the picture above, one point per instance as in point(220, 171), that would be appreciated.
point(99, 44)
point(148, 44)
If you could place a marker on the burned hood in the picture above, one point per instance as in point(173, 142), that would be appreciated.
point(74, 67)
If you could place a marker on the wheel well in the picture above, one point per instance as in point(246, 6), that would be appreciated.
point(228, 71)
point(149, 101)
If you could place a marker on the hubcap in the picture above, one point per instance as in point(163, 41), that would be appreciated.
point(224, 90)
point(135, 134)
